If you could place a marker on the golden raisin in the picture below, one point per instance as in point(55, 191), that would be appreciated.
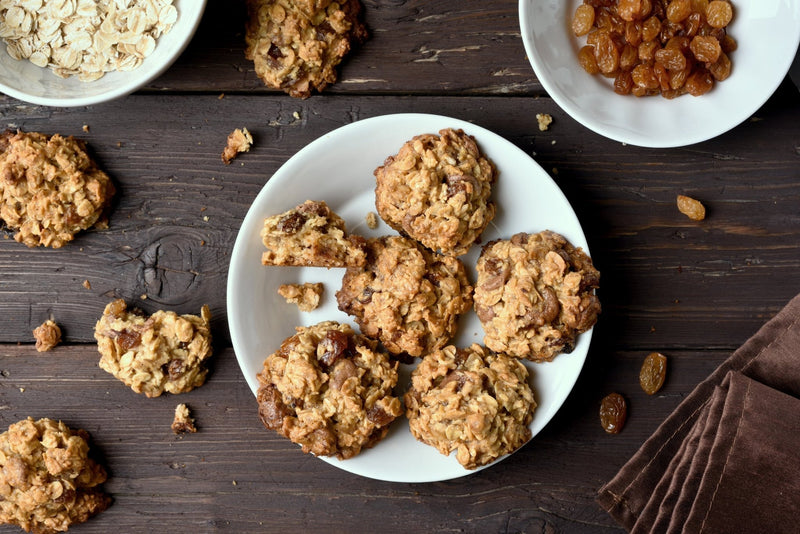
point(699, 82)
point(583, 20)
point(629, 9)
point(692, 208)
point(705, 48)
point(678, 10)
point(653, 373)
point(606, 55)
point(719, 14)
point(587, 61)
point(613, 413)
point(671, 58)
point(721, 69)
point(623, 83)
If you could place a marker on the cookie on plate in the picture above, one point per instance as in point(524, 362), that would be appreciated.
point(437, 190)
point(157, 353)
point(310, 235)
point(296, 45)
point(306, 296)
point(48, 482)
point(535, 294)
point(329, 390)
point(471, 401)
point(50, 189)
point(406, 296)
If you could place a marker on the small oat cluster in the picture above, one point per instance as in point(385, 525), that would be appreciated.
point(84, 38)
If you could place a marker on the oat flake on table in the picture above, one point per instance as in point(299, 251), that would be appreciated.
point(84, 38)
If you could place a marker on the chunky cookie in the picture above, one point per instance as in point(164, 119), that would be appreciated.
point(50, 189)
point(47, 335)
point(296, 45)
point(310, 235)
point(157, 353)
point(436, 190)
point(406, 296)
point(47, 480)
point(329, 390)
point(535, 294)
point(471, 401)
point(307, 296)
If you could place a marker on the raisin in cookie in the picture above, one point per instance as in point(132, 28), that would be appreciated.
point(310, 235)
point(535, 294)
point(47, 480)
point(296, 45)
point(471, 401)
point(436, 190)
point(50, 189)
point(157, 353)
point(329, 390)
point(406, 296)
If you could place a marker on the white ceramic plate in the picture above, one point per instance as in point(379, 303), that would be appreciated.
point(767, 31)
point(23, 80)
point(338, 168)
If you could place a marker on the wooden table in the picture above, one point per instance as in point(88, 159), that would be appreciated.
point(692, 290)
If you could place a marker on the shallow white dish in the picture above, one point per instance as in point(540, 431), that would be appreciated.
point(23, 80)
point(338, 168)
point(767, 31)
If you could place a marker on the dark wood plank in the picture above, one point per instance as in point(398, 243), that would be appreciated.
point(414, 47)
point(186, 484)
point(667, 281)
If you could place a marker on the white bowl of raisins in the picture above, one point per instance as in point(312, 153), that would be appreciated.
point(660, 73)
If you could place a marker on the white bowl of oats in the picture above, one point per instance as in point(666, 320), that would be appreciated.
point(80, 52)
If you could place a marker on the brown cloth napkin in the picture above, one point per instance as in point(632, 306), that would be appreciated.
point(728, 458)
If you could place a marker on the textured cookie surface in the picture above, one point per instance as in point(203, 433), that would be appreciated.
point(310, 235)
point(535, 294)
point(306, 296)
point(50, 189)
point(405, 296)
point(329, 390)
point(437, 190)
point(296, 45)
point(471, 401)
point(47, 480)
point(163, 352)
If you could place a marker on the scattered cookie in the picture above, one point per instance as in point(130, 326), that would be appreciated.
point(239, 140)
point(691, 207)
point(535, 294)
point(310, 235)
point(471, 401)
point(372, 220)
point(436, 190)
point(329, 390)
point(183, 422)
point(47, 480)
point(406, 296)
point(50, 189)
point(157, 353)
point(544, 120)
point(296, 45)
point(47, 335)
point(307, 296)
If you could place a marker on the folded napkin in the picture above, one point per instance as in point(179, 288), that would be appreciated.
point(728, 458)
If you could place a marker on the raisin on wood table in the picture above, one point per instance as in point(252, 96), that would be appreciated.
point(693, 291)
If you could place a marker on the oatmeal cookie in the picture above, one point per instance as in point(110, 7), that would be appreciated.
point(296, 45)
point(406, 296)
point(50, 189)
point(436, 190)
point(307, 296)
point(471, 401)
point(47, 480)
point(535, 294)
point(182, 422)
point(239, 140)
point(157, 353)
point(310, 235)
point(329, 390)
point(47, 335)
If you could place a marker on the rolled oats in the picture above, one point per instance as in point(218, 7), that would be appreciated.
point(84, 38)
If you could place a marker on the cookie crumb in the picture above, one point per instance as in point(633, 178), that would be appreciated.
point(239, 140)
point(85, 128)
point(183, 422)
point(47, 335)
point(296, 115)
point(205, 218)
point(87, 285)
point(233, 482)
point(143, 296)
point(307, 296)
point(544, 120)
point(372, 220)
point(221, 96)
point(692, 208)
